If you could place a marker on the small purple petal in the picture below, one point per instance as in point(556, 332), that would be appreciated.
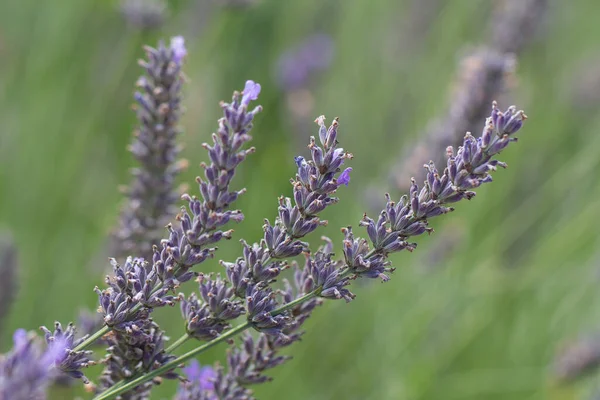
point(251, 92)
point(56, 352)
point(344, 178)
point(203, 376)
point(178, 48)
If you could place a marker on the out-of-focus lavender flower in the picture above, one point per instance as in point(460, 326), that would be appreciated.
point(25, 371)
point(483, 74)
point(152, 194)
point(199, 384)
point(144, 14)
point(516, 23)
point(576, 359)
point(298, 64)
point(178, 49)
point(60, 345)
point(250, 93)
point(8, 271)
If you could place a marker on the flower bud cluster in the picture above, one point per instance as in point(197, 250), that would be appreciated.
point(151, 194)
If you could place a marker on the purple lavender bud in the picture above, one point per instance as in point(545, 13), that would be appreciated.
point(325, 273)
point(260, 302)
point(250, 93)
point(208, 318)
point(356, 256)
point(344, 178)
point(178, 49)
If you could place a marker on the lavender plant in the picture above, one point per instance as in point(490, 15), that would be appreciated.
point(250, 293)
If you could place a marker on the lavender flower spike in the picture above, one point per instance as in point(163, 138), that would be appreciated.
point(152, 194)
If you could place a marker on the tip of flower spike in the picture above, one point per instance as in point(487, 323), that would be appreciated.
point(178, 49)
point(251, 92)
point(320, 120)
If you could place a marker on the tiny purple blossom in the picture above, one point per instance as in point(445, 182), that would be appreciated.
point(251, 92)
point(204, 376)
point(344, 178)
point(178, 48)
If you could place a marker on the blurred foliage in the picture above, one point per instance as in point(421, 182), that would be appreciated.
point(484, 323)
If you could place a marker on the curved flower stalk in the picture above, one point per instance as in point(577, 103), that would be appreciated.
point(326, 278)
point(151, 194)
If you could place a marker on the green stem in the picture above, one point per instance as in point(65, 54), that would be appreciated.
point(178, 343)
point(111, 394)
point(90, 340)
point(119, 388)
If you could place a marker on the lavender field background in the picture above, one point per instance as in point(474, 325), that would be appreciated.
point(483, 306)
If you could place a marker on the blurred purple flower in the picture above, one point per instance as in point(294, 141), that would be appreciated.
point(203, 376)
point(200, 383)
point(25, 369)
point(344, 178)
point(296, 65)
point(178, 48)
point(251, 92)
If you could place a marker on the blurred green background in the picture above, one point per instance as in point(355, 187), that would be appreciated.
point(483, 321)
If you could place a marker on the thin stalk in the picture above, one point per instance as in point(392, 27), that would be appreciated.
point(92, 338)
point(178, 343)
point(111, 394)
point(118, 389)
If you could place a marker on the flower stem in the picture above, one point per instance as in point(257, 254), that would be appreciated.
point(178, 343)
point(119, 388)
point(111, 394)
point(92, 338)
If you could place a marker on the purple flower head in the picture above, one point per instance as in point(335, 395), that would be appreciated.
point(344, 178)
point(202, 376)
point(178, 49)
point(251, 92)
point(56, 352)
point(24, 370)
point(296, 65)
